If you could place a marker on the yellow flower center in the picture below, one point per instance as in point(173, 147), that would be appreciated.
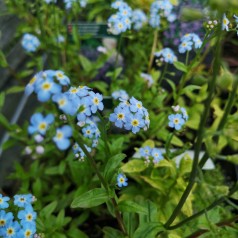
point(1, 201)
point(60, 75)
point(96, 101)
point(10, 231)
point(46, 86)
point(27, 233)
point(122, 180)
point(135, 122)
point(2, 222)
point(120, 116)
point(139, 105)
point(176, 121)
point(29, 217)
point(59, 135)
point(61, 102)
point(74, 90)
point(42, 126)
point(88, 132)
point(32, 80)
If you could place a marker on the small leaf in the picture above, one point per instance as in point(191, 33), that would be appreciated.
point(181, 66)
point(233, 158)
point(60, 218)
point(112, 165)
point(2, 99)
point(47, 211)
point(148, 230)
point(3, 61)
point(5, 123)
point(112, 233)
point(130, 206)
point(134, 166)
point(91, 198)
point(86, 64)
point(189, 89)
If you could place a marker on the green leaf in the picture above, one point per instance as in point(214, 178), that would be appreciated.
point(101, 86)
point(47, 211)
point(86, 64)
point(134, 166)
point(189, 89)
point(2, 99)
point(173, 86)
point(60, 218)
point(233, 158)
point(185, 165)
point(112, 164)
point(5, 123)
point(148, 230)
point(15, 89)
point(8, 144)
point(76, 233)
point(3, 60)
point(112, 233)
point(91, 198)
point(130, 206)
point(181, 66)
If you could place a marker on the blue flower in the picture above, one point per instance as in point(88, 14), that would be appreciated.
point(96, 102)
point(5, 218)
point(134, 122)
point(30, 87)
point(69, 3)
point(27, 231)
point(136, 106)
point(176, 121)
point(166, 55)
point(30, 42)
point(45, 88)
point(11, 230)
point(138, 19)
point(22, 200)
point(121, 180)
point(77, 149)
point(4, 202)
point(119, 116)
point(27, 215)
point(145, 151)
point(156, 154)
point(85, 109)
point(39, 123)
point(184, 113)
point(120, 94)
point(62, 78)
point(148, 78)
point(62, 136)
point(188, 41)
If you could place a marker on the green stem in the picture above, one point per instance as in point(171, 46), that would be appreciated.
point(214, 204)
point(222, 123)
point(155, 41)
point(201, 129)
point(104, 183)
point(162, 75)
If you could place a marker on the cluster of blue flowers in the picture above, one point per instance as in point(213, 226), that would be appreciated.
point(130, 115)
point(47, 83)
point(78, 152)
point(138, 19)
point(120, 94)
point(69, 3)
point(188, 41)
point(24, 224)
point(177, 120)
point(121, 21)
point(158, 9)
point(30, 43)
point(122, 180)
point(166, 55)
point(147, 152)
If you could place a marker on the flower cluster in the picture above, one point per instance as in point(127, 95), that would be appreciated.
point(148, 78)
point(130, 115)
point(211, 24)
point(138, 19)
point(148, 153)
point(78, 152)
point(188, 41)
point(166, 55)
point(47, 83)
point(23, 224)
point(30, 43)
point(158, 9)
point(178, 120)
point(121, 21)
point(69, 3)
point(50, 1)
point(121, 180)
point(120, 94)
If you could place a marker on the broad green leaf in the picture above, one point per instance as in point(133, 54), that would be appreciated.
point(148, 230)
point(60, 218)
point(235, 195)
point(91, 198)
point(189, 88)
point(112, 164)
point(134, 166)
point(47, 211)
point(101, 86)
point(76, 233)
point(130, 206)
point(8, 144)
point(185, 165)
point(181, 66)
point(154, 183)
point(110, 232)
point(15, 89)
point(86, 64)
point(149, 143)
